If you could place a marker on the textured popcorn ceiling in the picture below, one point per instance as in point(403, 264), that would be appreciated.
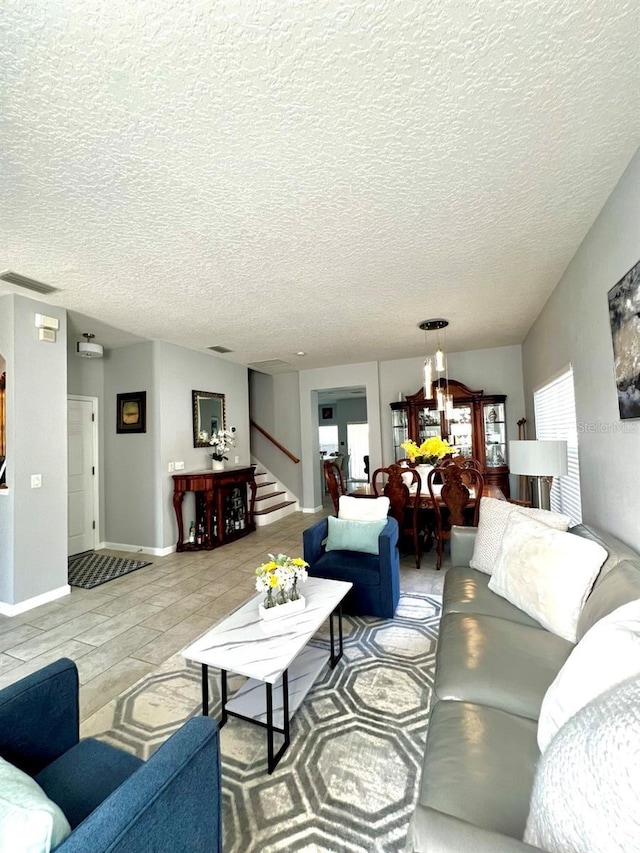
point(318, 175)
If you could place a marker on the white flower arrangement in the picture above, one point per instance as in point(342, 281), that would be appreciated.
point(280, 578)
point(221, 442)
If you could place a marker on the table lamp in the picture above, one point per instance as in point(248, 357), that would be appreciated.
point(540, 460)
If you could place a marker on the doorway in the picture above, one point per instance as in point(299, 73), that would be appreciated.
point(358, 448)
point(82, 479)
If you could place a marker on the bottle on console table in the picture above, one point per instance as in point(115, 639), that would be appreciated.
point(192, 534)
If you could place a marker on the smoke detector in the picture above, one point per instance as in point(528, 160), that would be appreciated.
point(85, 349)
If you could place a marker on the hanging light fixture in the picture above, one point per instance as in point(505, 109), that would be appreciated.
point(436, 363)
point(87, 349)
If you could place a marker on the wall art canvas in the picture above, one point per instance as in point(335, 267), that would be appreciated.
point(131, 412)
point(624, 315)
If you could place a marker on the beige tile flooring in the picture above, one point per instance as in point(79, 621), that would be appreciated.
point(120, 631)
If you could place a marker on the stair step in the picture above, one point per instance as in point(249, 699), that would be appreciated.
point(273, 508)
point(266, 483)
point(270, 495)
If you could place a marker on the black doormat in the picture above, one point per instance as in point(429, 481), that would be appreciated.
point(90, 569)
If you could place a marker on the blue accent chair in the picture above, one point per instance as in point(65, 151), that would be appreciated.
point(113, 800)
point(375, 577)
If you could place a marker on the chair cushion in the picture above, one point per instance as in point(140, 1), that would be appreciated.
point(84, 776)
point(361, 569)
point(497, 663)
point(466, 591)
point(546, 573)
point(347, 535)
point(29, 821)
point(494, 515)
point(479, 766)
point(363, 509)
point(585, 793)
point(606, 655)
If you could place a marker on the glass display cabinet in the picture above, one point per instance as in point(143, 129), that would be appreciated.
point(475, 425)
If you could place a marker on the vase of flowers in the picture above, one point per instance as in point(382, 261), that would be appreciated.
point(280, 579)
point(221, 441)
point(426, 455)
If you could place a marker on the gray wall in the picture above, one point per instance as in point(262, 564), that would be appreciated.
point(275, 406)
point(33, 522)
point(573, 328)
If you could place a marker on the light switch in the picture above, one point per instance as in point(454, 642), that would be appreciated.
point(36, 481)
point(179, 466)
point(237, 458)
point(172, 467)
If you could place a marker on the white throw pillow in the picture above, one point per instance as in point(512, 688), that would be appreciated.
point(363, 509)
point(494, 515)
point(607, 654)
point(546, 573)
point(29, 821)
point(586, 787)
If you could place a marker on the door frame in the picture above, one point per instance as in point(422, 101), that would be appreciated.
point(96, 460)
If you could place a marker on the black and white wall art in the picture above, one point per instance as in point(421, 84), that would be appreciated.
point(624, 314)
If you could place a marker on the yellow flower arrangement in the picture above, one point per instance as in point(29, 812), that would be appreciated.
point(281, 575)
point(430, 452)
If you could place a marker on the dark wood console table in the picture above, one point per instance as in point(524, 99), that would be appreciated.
point(224, 510)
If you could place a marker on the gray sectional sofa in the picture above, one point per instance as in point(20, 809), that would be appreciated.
point(494, 665)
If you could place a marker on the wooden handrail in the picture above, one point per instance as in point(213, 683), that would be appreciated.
point(274, 441)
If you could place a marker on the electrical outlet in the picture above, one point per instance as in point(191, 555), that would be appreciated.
point(237, 458)
point(36, 481)
point(179, 466)
point(172, 467)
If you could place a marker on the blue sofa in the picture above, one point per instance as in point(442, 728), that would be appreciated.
point(375, 577)
point(113, 800)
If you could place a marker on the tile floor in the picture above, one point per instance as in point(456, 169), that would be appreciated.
point(120, 631)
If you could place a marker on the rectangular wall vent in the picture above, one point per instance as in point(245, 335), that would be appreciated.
point(28, 283)
point(220, 349)
point(269, 365)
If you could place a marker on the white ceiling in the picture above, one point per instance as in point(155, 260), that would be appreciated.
point(317, 175)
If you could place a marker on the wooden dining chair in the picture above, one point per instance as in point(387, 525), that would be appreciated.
point(451, 506)
point(335, 482)
point(396, 483)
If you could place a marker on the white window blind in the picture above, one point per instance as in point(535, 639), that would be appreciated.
point(555, 408)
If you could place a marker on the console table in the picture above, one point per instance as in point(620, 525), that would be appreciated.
point(224, 509)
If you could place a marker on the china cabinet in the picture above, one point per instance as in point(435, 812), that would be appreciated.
point(475, 425)
point(224, 506)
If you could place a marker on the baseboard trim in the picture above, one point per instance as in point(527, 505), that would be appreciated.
point(310, 510)
point(137, 549)
point(36, 601)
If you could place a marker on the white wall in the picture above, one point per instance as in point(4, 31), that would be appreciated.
point(573, 328)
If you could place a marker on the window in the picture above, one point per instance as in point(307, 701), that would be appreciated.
point(328, 437)
point(555, 409)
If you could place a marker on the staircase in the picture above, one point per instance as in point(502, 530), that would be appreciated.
point(273, 501)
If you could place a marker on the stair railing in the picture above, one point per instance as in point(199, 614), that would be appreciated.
point(275, 442)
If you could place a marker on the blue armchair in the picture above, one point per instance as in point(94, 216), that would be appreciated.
point(113, 801)
point(375, 577)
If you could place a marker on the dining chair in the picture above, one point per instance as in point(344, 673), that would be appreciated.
point(397, 484)
point(334, 481)
point(451, 506)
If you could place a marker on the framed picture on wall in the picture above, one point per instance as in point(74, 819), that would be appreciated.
point(624, 316)
point(327, 413)
point(131, 412)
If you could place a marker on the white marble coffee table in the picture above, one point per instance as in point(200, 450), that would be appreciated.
point(273, 653)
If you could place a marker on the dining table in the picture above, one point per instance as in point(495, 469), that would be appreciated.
point(490, 490)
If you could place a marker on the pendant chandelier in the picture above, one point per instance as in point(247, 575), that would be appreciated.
point(435, 367)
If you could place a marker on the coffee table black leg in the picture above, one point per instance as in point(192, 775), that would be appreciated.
point(223, 696)
point(205, 690)
point(274, 758)
point(336, 657)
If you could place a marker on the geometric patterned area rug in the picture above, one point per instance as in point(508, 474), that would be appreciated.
point(349, 780)
point(90, 569)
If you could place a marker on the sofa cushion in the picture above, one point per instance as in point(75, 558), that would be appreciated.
point(617, 587)
point(497, 663)
point(348, 566)
point(29, 821)
point(585, 793)
point(466, 591)
point(607, 654)
point(84, 776)
point(479, 765)
point(347, 535)
point(547, 573)
point(494, 515)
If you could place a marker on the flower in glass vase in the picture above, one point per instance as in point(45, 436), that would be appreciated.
point(280, 579)
point(430, 452)
point(221, 442)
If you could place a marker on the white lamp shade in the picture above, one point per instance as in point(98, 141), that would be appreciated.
point(538, 458)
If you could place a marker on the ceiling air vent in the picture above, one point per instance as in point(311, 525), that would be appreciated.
point(220, 349)
point(271, 365)
point(27, 283)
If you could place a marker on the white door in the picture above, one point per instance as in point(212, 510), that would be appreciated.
point(81, 470)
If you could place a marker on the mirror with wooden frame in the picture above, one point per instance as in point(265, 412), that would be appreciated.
point(208, 416)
